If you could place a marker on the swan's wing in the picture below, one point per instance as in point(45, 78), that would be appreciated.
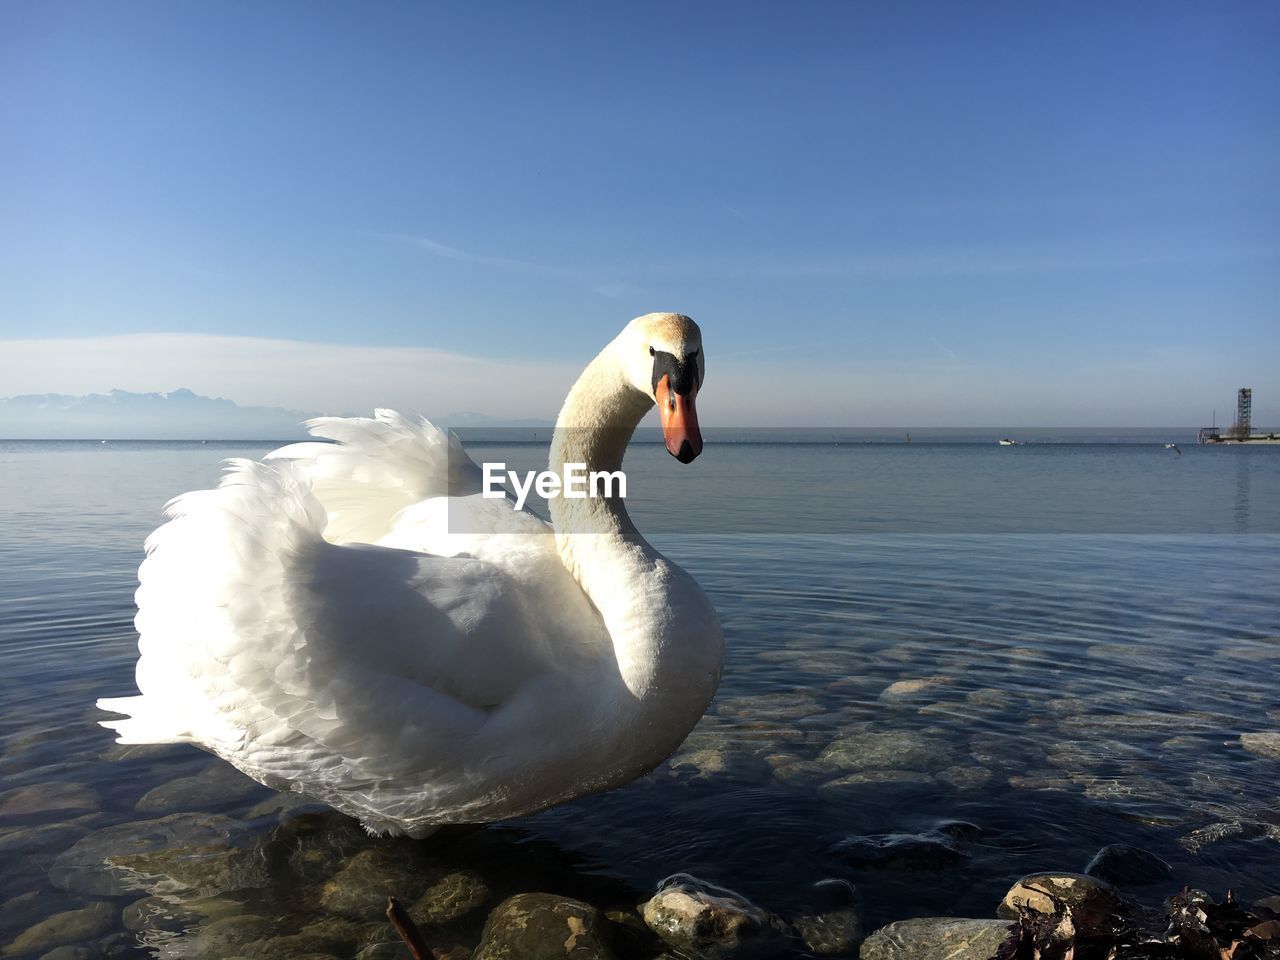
point(375, 467)
point(328, 665)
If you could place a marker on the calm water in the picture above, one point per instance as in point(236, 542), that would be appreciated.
point(1092, 627)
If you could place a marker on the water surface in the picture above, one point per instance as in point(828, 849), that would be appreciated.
point(1061, 644)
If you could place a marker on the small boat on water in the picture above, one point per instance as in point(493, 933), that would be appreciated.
point(1006, 442)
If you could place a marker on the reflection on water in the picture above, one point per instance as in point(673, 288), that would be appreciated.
point(1057, 692)
point(1244, 465)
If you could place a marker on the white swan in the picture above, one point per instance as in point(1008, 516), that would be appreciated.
point(352, 621)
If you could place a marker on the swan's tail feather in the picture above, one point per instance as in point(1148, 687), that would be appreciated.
point(139, 726)
point(218, 638)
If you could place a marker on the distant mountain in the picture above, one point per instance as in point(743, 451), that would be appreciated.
point(122, 415)
point(182, 415)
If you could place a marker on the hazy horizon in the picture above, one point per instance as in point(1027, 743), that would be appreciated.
point(181, 415)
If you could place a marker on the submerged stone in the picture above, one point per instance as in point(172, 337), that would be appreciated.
point(203, 853)
point(893, 750)
point(1228, 830)
point(543, 926)
point(900, 851)
point(965, 777)
point(70, 926)
point(1265, 744)
point(221, 939)
point(216, 786)
point(1124, 865)
point(70, 952)
point(864, 777)
point(49, 838)
point(359, 890)
point(933, 938)
point(721, 761)
point(47, 799)
point(910, 689)
point(1088, 899)
point(831, 923)
point(699, 919)
point(450, 898)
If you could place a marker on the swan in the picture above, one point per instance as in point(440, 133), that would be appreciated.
point(354, 621)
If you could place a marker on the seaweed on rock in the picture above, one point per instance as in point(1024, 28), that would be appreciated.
point(1192, 926)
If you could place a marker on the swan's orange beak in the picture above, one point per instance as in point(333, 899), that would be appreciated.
point(679, 420)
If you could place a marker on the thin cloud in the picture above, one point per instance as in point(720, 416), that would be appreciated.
point(444, 250)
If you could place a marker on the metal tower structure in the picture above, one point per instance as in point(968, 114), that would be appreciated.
point(1244, 412)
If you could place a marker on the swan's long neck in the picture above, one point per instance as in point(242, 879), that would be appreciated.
point(627, 580)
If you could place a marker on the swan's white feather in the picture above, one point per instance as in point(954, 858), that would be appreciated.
point(375, 467)
point(346, 667)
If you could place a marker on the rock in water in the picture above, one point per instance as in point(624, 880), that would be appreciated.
point(1266, 744)
point(831, 924)
point(228, 937)
point(359, 890)
point(186, 851)
point(543, 926)
point(46, 799)
point(69, 927)
point(1088, 900)
point(1127, 866)
point(899, 851)
point(934, 938)
point(215, 787)
point(892, 750)
point(702, 920)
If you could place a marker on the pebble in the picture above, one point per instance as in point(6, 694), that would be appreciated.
point(1265, 745)
point(46, 799)
point(895, 750)
point(359, 890)
point(932, 938)
point(900, 851)
point(70, 926)
point(331, 936)
point(699, 919)
point(1228, 830)
point(831, 924)
point(775, 707)
point(450, 898)
point(204, 853)
point(544, 926)
point(716, 762)
point(217, 786)
point(1087, 898)
point(50, 838)
point(864, 777)
point(76, 952)
point(910, 689)
point(225, 938)
point(965, 777)
point(21, 911)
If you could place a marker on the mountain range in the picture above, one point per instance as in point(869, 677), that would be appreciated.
point(175, 415)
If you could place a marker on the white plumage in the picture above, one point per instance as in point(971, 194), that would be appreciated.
point(351, 620)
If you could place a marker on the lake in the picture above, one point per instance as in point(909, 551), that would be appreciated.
point(1066, 644)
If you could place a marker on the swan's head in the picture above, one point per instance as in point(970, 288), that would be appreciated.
point(662, 354)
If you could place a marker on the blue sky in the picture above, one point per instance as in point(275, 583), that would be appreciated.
point(899, 212)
